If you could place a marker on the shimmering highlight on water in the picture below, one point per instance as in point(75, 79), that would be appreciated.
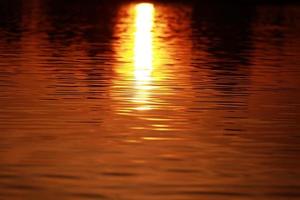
point(149, 101)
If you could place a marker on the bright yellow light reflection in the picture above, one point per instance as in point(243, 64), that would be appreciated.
point(143, 40)
point(148, 64)
point(144, 13)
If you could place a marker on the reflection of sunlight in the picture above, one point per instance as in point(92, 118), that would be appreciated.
point(148, 65)
point(143, 40)
point(143, 53)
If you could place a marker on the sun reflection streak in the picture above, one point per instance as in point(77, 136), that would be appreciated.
point(147, 66)
point(143, 39)
point(143, 50)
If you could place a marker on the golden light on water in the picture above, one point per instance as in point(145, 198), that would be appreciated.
point(143, 53)
point(135, 52)
point(143, 40)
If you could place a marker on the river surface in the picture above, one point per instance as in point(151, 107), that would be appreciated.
point(161, 101)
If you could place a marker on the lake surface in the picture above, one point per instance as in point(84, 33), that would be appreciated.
point(129, 101)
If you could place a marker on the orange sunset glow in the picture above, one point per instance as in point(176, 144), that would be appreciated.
point(157, 100)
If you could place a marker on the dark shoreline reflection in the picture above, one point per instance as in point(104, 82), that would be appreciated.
point(10, 18)
point(225, 32)
point(84, 30)
point(172, 100)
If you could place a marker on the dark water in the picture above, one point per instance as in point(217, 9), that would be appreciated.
point(162, 101)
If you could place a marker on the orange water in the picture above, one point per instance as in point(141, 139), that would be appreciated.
point(149, 101)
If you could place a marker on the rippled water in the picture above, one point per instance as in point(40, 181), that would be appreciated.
point(149, 101)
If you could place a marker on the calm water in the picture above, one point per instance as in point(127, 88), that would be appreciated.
point(130, 101)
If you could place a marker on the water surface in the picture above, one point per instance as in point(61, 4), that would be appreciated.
point(149, 101)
